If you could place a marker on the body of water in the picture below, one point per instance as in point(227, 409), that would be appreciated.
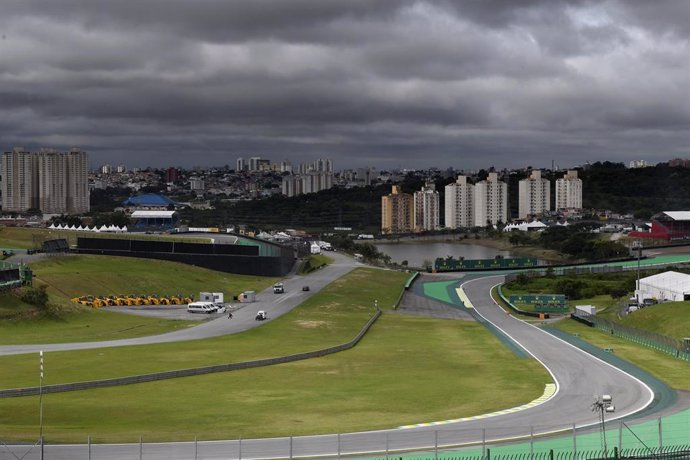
point(417, 253)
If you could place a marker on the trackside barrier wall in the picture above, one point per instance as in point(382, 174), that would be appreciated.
point(648, 339)
point(59, 388)
point(407, 286)
point(228, 258)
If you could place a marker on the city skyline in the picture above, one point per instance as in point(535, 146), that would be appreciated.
point(399, 84)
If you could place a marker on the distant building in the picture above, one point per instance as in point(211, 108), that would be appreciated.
point(148, 201)
point(121, 169)
point(241, 165)
point(679, 162)
point(459, 205)
point(311, 182)
point(426, 209)
point(569, 191)
point(172, 175)
point(490, 201)
point(397, 212)
point(106, 169)
point(667, 225)
point(638, 164)
point(54, 182)
point(196, 184)
point(534, 195)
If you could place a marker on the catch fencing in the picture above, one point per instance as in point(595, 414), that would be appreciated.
point(674, 347)
point(663, 439)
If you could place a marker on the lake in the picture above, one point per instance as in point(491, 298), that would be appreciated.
point(417, 253)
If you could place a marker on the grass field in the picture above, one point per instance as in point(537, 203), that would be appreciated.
point(674, 372)
point(314, 262)
point(406, 370)
point(330, 317)
point(83, 326)
point(671, 319)
point(72, 276)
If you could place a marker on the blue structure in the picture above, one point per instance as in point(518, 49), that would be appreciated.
point(153, 220)
point(149, 200)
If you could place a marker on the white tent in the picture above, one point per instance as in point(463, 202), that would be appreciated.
point(666, 286)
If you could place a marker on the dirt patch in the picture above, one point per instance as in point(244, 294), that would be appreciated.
point(311, 324)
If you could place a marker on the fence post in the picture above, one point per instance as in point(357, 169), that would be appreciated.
point(531, 443)
point(386, 445)
point(488, 454)
point(661, 441)
point(88, 440)
point(550, 454)
point(435, 444)
point(196, 448)
point(620, 436)
point(239, 454)
point(338, 446)
point(574, 443)
point(141, 448)
point(290, 447)
point(483, 443)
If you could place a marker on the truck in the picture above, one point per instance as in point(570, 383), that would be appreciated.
point(278, 288)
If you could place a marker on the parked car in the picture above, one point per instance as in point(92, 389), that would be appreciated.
point(261, 315)
point(220, 307)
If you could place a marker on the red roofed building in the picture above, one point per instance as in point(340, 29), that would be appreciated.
point(668, 225)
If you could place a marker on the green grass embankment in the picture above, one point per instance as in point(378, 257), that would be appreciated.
point(406, 370)
point(314, 262)
point(674, 372)
point(333, 316)
point(108, 275)
point(73, 276)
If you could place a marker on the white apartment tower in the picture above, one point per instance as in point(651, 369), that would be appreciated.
point(426, 208)
point(490, 201)
point(459, 207)
point(534, 195)
point(54, 182)
point(569, 191)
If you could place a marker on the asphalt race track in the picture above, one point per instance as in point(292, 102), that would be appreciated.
point(578, 377)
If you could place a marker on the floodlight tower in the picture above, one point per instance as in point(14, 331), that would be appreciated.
point(637, 244)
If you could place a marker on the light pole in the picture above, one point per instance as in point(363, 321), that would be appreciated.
point(40, 403)
point(601, 405)
point(637, 244)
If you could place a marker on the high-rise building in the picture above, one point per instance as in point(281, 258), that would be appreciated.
point(54, 182)
point(426, 208)
point(638, 164)
point(459, 206)
point(241, 165)
point(534, 195)
point(397, 212)
point(569, 191)
point(106, 169)
point(490, 201)
point(172, 175)
point(121, 169)
point(78, 198)
point(18, 186)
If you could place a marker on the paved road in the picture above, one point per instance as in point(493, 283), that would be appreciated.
point(243, 319)
point(577, 374)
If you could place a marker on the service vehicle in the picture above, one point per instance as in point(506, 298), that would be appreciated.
point(261, 315)
point(305, 288)
point(278, 288)
point(201, 307)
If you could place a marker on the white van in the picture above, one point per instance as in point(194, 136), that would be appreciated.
point(201, 307)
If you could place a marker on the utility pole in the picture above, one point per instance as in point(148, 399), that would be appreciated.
point(601, 405)
point(40, 403)
point(637, 244)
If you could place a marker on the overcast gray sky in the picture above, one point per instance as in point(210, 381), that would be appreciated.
point(387, 83)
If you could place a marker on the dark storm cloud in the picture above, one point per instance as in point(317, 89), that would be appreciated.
point(386, 83)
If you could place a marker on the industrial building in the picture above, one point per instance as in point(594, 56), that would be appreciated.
point(668, 286)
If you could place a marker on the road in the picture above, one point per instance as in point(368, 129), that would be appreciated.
point(578, 377)
point(243, 319)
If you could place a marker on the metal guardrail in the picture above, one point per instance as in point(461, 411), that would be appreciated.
point(406, 287)
point(63, 387)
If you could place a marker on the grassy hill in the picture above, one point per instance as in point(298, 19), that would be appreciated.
point(671, 319)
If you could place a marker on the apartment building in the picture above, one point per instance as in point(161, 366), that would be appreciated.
point(490, 201)
point(426, 209)
point(569, 191)
point(52, 181)
point(534, 195)
point(397, 212)
point(459, 205)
